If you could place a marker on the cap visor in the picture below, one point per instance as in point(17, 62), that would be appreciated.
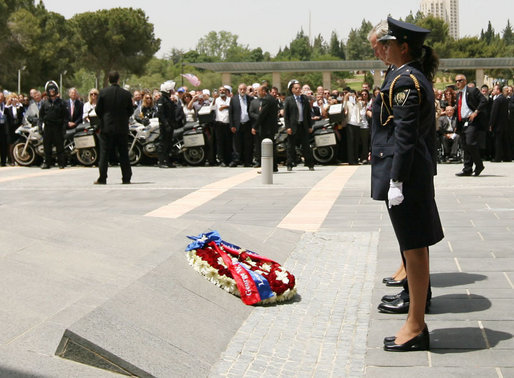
point(386, 37)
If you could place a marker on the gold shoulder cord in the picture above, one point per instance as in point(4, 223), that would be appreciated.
point(418, 88)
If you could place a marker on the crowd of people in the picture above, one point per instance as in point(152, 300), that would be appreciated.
point(494, 135)
point(232, 138)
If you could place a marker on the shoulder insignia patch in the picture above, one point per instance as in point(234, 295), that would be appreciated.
point(401, 97)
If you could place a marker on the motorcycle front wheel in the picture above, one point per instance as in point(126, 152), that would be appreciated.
point(324, 155)
point(135, 154)
point(24, 158)
point(87, 156)
point(194, 155)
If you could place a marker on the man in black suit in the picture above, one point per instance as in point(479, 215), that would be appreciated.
point(499, 125)
point(266, 124)
point(239, 117)
point(114, 108)
point(75, 108)
point(470, 104)
point(448, 129)
point(298, 121)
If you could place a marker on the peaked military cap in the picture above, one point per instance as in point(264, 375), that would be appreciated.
point(405, 32)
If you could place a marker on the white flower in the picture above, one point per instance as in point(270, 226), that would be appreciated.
point(222, 262)
point(249, 261)
point(282, 276)
point(266, 267)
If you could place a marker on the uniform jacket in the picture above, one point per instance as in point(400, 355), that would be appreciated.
point(499, 120)
point(267, 121)
point(114, 109)
point(291, 115)
point(234, 110)
point(53, 113)
point(404, 135)
point(167, 112)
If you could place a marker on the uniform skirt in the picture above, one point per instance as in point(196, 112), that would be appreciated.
point(416, 223)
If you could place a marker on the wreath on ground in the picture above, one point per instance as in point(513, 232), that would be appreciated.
point(254, 278)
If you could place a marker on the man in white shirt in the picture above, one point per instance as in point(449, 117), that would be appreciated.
point(222, 130)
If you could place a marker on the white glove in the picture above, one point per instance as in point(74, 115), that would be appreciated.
point(395, 195)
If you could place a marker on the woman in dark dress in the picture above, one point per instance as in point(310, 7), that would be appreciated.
point(404, 165)
point(14, 115)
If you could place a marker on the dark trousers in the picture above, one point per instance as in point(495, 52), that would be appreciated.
point(301, 137)
point(165, 139)
point(4, 146)
point(364, 144)
point(502, 146)
point(450, 146)
point(243, 143)
point(471, 148)
point(53, 136)
point(109, 143)
point(258, 148)
point(352, 140)
point(223, 142)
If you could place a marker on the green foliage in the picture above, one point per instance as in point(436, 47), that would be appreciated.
point(116, 39)
point(357, 47)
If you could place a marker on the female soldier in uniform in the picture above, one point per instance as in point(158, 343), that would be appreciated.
point(403, 158)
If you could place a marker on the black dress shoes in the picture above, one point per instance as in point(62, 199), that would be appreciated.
point(463, 173)
point(396, 282)
point(419, 342)
point(100, 182)
point(391, 298)
point(385, 279)
point(398, 306)
point(478, 171)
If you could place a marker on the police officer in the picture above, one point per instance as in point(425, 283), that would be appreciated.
point(404, 165)
point(53, 114)
point(167, 114)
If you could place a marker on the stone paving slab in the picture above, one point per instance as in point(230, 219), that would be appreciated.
point(323, 332)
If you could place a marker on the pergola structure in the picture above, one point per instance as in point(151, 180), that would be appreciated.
point(327, 67)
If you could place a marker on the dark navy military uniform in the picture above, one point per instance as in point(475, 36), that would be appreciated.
point(166, 112)
point(403, 149)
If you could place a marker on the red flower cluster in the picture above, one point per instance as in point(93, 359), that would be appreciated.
point(279, 279)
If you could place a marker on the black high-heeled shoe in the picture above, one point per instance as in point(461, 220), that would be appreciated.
point(396, 282)
point(385, 279)
point(419, 342)
point(389, 339)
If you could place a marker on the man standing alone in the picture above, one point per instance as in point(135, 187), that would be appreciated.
point(114, 108)
point(470, 104)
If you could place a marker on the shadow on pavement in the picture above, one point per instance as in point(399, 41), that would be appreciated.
point(458, 304)
point(455, 279)
point(463, 340)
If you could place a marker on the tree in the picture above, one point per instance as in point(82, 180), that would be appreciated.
point(439, 29)
point(489, 35)
point(119, 39)
point(336, 48)
point(358, 47)
point(300, 48)
point(41, 41)
point(217, 44)
point(508, 36)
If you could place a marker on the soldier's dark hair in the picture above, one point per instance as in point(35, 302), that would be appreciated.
point(114, 76)
point(428, 59)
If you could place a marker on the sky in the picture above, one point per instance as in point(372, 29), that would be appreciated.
point(272, 24)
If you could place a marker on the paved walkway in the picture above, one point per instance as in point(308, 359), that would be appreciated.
point(67, 246)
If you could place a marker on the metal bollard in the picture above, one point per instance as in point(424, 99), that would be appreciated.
point(267, 161)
